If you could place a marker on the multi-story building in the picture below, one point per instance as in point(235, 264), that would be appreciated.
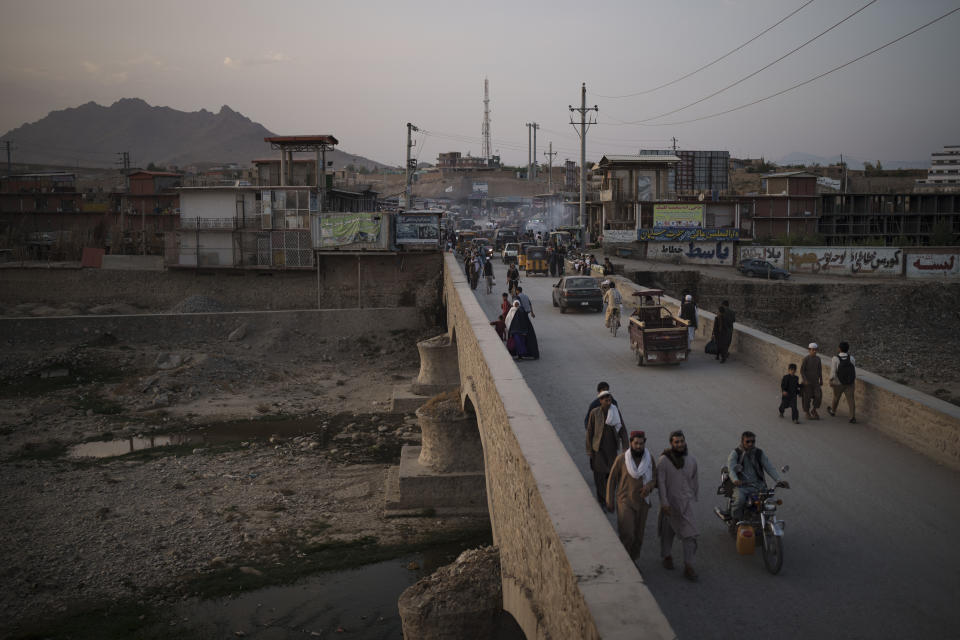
point(628, 181)
point(944, 173)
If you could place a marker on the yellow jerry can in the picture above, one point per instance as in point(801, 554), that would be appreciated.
point(746, 541)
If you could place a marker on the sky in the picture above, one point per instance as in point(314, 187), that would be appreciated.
point(362, 69)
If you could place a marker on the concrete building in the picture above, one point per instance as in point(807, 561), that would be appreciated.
point(455, 161)
point(628, 181)
point(943, 176)
point(888, 219)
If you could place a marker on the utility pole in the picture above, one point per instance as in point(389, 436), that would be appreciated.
point(124, 161)
point(9, 164)
point(411, 163)
point(535, 127)
point(550, 155)
point(529, 150)
point(584, 124)
point(674, 139)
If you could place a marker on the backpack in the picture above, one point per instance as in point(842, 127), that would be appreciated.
point(846, 372)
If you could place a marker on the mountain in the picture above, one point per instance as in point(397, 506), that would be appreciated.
point(807, 160)
point(91, 135)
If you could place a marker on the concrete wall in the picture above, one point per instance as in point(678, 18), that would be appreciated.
point(404, 280)
point(174, 328)
point(925, 423)
point(564, 572)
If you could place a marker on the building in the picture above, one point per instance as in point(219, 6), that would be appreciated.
point(789, 207)
point(889, 219)
point(454, 161)
point(303, 173)
point(705, 172)
point(628, 181)
point(944, 173)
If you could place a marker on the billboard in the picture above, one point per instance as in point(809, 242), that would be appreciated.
point(678, 215)
point(686, 234)
point(931, 265)
point(345, 229)
point(481, 187)
point(846, 261)
point(717, 253)
point(418, 229)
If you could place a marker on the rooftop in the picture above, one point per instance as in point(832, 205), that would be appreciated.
point(645, 159)
point(302, 140)
point(792, 174)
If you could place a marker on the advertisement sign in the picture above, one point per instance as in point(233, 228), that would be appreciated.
point(678, 215)
point(933, 265)
point(346, 229)
point(418, 229)
point(681, 234)
point(717, 253)
point(773, 255)
point(619, 236)
point(846, 261)
point(481, 187)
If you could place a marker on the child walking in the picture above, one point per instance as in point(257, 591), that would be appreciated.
point(789, 388)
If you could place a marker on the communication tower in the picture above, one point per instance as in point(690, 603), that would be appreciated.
point(486, 121)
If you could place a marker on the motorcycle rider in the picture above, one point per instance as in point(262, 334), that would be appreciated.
point(746, 466)
point(513, 277)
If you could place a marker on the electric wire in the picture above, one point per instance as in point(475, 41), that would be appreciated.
point(799, 84)
point(750, 75)
point(709, 64)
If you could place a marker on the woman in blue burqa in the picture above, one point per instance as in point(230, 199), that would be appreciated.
point(521, 338)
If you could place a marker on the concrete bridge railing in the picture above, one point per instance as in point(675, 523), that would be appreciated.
point(565, 573)
point(918, 420)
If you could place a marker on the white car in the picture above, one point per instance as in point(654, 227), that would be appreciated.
point(510, 252)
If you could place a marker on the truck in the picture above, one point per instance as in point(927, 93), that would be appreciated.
point(656, 335)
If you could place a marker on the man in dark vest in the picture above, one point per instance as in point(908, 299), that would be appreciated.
point(746, 465)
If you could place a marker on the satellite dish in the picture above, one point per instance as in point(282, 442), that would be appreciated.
point(700, 197)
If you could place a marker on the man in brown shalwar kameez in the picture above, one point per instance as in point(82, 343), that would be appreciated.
point(606, 435)
point(632, 479)
point(678, 486)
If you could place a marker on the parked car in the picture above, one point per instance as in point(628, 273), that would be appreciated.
point(510, 252)
point(577, 292)
point(755, 267)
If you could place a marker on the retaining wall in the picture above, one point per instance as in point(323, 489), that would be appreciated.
point(564, 572)
point(175, 328)
point(402, 280)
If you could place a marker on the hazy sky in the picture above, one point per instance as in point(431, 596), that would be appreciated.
point(362, 69)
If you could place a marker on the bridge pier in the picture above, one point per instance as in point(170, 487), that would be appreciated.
point(446, 473)
point(439, 366)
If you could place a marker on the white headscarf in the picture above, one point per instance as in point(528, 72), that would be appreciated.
point(643, 471)
point(613, 418)
point(511, 313)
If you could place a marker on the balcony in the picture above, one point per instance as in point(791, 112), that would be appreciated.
point(210, 224)
point(610, 190)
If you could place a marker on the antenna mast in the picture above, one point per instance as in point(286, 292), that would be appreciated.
point(486, 121)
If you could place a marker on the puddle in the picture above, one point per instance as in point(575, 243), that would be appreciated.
point(359, 603)
point(224, 433)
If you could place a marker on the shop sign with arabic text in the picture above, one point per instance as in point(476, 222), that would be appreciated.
point(681, 234)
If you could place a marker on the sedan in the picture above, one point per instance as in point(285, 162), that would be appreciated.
point(763, 269)
point(577, 292)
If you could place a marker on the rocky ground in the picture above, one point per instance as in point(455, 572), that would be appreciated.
point(277, 468)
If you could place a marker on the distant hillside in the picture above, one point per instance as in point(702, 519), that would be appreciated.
point(807, 160)
point(91, 135)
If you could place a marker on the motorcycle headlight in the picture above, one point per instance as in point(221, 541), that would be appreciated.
point(770, 505)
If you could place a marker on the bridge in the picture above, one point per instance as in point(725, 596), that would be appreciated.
point(871, 516)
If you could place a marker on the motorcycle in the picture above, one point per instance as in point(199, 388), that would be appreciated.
point(759, 520)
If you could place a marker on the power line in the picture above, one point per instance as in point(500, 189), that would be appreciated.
point(799, 84)
point(710, 64)
point(761, 69)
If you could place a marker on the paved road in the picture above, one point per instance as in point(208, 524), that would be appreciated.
point(870, 546)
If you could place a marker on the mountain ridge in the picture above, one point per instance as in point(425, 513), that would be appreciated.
point(93, 135)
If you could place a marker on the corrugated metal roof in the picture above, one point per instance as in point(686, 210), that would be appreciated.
point(315, 139)
point(645, 159)
point(791, 174)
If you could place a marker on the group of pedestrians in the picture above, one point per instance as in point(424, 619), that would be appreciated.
point(808, 385)
point(479, 265)
point(625, 475)
point(514, 324)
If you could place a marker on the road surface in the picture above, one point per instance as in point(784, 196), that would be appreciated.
point(869, 548)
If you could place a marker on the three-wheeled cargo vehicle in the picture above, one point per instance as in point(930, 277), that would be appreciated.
point(656, 335)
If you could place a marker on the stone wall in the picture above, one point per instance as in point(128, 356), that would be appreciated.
point(173, 328)
point(401, 280)
point(564, 572)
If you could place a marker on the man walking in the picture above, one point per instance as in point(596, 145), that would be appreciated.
point(843, 379)
point(632, 479)
point(488, 274)
point(606, 435)
point(678, 486)
point(811, 377)
point(525, 302)
point(601, 387)
point(688, 312)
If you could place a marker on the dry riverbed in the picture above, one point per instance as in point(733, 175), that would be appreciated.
point(272, 467)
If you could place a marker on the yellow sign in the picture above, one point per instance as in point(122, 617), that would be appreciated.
point(678, 215)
